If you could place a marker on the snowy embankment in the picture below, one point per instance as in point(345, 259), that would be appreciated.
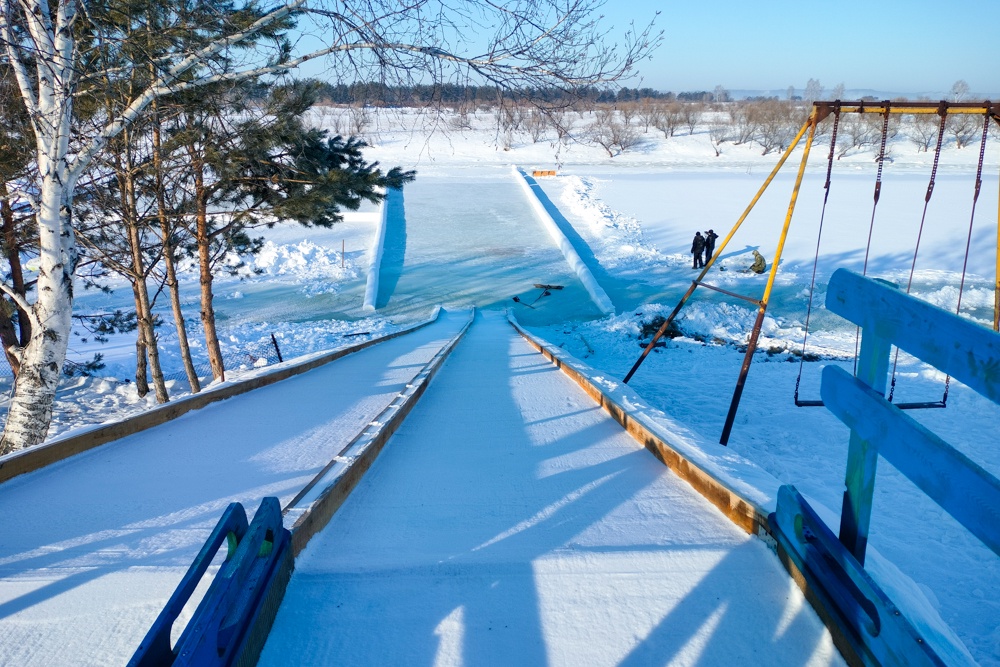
point(579, 267)
point(375, 258)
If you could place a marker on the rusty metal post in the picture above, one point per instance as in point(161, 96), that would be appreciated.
point(755, 334)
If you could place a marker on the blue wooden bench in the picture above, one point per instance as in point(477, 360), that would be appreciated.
point(833, 566)
point(231, 623)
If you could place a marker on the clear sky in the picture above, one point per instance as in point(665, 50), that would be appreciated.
point(898, 46)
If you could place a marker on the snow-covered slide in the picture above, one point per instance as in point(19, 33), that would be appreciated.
point(94, 545)
point(511, 521)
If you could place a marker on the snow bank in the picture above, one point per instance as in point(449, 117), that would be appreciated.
point(623, 246)
point(375, 265)
point(595, 291)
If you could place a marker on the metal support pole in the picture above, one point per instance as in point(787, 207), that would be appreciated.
point(996, 291)
point(718, 252)
point(755, 334)
point(276, 348)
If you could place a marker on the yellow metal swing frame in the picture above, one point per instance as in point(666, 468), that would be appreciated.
point(819, 112)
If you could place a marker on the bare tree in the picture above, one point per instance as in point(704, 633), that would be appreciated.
point(535, 123)
point(611, 133)
point(508, 117)
point(861, 131)
point(775, 125)
point(562, 122)
point(691, 115)
point(959, 91)
point(923, 130)
point(718, 132)
point(838, 91)
point(964, 128)
point(53, 49)
point(668, 120)
point(649, 113)
point(744, 122)
point(813, 91)
point(361, 118)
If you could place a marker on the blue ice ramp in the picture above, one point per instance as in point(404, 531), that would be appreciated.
point(231, 623)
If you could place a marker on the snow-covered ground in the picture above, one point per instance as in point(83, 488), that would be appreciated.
point(632, 218)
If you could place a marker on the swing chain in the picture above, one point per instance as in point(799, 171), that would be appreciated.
point(982, 156)
point(943, 112)
point(833, 145)
point(881, 155)
point(819, 237)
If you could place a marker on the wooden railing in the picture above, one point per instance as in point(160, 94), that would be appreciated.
point(833, 566)
point(231, 623)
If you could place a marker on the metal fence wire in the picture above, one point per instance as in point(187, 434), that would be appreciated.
point(256, 354)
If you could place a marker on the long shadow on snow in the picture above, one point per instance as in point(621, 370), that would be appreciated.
point(457, 524)
point(110, 507)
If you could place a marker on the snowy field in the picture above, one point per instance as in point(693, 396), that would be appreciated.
point(632, 218)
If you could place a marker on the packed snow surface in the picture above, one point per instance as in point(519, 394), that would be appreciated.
point(512, 521)
point(93, 546)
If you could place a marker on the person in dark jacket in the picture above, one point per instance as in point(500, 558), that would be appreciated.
point(759, 264)
point(710, 237)
point(698, 247)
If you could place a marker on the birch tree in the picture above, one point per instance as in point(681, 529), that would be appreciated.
point(51, 46)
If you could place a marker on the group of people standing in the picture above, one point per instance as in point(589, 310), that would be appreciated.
point(703, 245)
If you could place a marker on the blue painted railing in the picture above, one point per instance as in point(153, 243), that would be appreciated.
point(231, 623)
point(833, 566)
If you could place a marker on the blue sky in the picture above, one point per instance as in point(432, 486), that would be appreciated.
point(911, 47)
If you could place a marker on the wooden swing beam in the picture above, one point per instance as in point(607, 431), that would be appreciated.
point(819, 112)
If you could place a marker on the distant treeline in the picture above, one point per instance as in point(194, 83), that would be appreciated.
point(379, 94)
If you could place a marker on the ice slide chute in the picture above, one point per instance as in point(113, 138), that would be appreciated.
point(580, 268)
point(232, 621)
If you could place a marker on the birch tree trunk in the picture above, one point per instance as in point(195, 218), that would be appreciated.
point(49, 100)
point(30, 409)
